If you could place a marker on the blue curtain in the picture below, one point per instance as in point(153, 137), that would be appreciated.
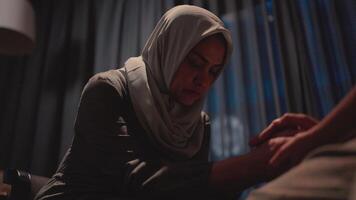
point(40, 92)
point(289, 56)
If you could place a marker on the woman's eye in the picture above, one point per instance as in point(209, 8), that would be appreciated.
point(194, 63)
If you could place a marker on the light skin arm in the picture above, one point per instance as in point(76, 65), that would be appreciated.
point(293, 134)
point(337, 126)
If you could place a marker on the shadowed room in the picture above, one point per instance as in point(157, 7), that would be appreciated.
point(177, 99)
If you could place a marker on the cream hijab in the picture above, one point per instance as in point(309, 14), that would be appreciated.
point(175, 129)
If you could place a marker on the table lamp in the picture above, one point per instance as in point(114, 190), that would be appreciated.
point(17, 27)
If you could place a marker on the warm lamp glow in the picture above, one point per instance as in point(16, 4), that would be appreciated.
point(17, 27)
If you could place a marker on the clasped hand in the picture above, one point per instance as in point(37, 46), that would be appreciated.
point(289, 137)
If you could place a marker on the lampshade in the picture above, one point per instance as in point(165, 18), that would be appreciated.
point(17, 27)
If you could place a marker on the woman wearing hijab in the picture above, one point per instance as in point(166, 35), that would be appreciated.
point(140, 130)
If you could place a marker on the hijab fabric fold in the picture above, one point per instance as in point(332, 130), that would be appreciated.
point(176, 129)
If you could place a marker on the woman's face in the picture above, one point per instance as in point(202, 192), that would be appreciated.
point(198, 70)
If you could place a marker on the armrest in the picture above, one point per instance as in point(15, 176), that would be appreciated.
point(24, 186)
point(20, 184)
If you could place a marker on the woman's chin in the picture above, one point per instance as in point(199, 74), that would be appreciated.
point(187, 101)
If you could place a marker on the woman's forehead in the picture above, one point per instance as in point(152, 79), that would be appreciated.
point(210, 50)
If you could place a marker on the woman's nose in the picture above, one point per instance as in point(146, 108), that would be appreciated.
point(202, 79)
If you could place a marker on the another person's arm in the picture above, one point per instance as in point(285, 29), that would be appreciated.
point(337, 126)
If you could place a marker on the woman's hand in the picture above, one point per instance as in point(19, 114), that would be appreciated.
point(240, 172)
point(269, 151)
point(285, 151)
point(292, 151)
point(287, 125)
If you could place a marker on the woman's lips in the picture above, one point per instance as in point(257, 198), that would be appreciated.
point(192, 93)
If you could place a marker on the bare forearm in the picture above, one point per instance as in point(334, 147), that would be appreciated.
point(238, 173)
point(339, 122)
point(225, 176)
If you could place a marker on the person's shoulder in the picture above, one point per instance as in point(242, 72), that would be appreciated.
point(114, 78)
point(111, 79)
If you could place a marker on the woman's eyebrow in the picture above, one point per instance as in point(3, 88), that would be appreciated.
point(205, 60)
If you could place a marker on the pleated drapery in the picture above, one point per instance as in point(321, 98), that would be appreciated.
point(289, 56)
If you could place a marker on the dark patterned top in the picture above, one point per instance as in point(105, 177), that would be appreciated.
point(107, 136)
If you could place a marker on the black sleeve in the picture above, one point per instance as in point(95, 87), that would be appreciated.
point(101, 145)
point(180, 180)
point(98, 119)
point(184, 180)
